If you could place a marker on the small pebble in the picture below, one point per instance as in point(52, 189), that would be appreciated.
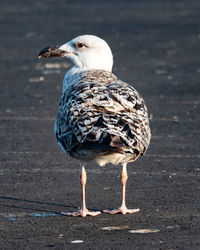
point(143, 231)
point(115, 228)
point(76, 241)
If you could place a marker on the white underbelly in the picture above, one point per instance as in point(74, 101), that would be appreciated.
point(101, 158)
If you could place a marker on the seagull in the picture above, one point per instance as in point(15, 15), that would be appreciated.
point(100, 117)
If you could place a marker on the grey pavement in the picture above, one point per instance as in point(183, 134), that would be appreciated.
point(156, 47)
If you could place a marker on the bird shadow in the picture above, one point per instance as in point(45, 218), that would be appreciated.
point(6, 202)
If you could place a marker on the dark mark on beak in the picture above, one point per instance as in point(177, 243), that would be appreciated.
point(52, 52)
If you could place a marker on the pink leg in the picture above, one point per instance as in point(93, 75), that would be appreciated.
point(83, 211)
point(123, 209)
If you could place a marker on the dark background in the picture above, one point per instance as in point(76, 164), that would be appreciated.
point(156, 47)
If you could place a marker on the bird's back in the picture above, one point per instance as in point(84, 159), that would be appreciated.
point(102, 118)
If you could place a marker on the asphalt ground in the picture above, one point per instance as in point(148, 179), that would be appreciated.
point(156, 47)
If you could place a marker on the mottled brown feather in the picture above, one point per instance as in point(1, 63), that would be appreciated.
point(100, 113)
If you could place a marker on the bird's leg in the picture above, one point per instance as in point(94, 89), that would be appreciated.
point(83, 211)
point(123, 209)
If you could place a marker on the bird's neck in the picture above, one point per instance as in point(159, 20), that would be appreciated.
point(71, 76)
point(74, 73)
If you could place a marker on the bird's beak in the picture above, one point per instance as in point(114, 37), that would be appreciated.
point(52, 52)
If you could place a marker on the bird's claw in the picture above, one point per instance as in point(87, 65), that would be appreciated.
point(81, 212)
point(122, 210)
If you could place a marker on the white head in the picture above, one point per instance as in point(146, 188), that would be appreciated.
point(89, 52)
point(85, 52)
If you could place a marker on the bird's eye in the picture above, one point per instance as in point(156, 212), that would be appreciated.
point(80, 45)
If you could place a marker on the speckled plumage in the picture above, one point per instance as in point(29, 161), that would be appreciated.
point(101, 118)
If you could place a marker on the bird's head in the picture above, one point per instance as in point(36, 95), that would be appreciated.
point(85, 52)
